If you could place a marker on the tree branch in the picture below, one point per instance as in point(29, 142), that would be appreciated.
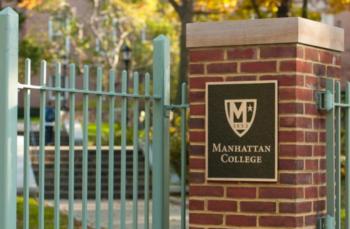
point(256, 8)
point(176, 6)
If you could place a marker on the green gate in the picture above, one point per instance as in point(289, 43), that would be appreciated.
point(337, 107)
point(157, 106)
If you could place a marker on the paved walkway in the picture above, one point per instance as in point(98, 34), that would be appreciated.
point(174, 213)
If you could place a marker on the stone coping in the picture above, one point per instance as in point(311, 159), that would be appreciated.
point(265, 31)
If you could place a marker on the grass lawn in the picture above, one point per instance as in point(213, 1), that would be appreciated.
point(34, 213)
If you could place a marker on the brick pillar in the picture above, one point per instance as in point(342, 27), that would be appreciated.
point(299, 53)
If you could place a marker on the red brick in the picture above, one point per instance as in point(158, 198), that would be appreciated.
point(319, 123)
point(311, 137)
point(241, 53)
point(197, 163)
point(311, 164)
point(241, 192)
point(199, 82)
point(206, 219)
point(285, 80)
point(311, 81)
point(281, 193)
point(197, 110)
point(287, 150)
point(197, 136)
point(196, 177)
point(292, 178)
point(196, 123)
point(323, 164)
point(280, 221)
point(301, 122)
point(319, 178)
point(322, 191)
point(259, 206)
point(311, 109)
point(291, 136)
point(240, 78)
point(206, 55)
point(259, 67)
point(291, 108)
point(196, 204)
point(290, 164)
point(326, 57)
point(296, 66)
point(206, 191)
point(311, 54)
point(319, 150)
point(196, 69)
point(301, 207)
point(197, 150)
point(319, 205)
point(196, 97)
point(222, 68)
point(222, 205)
point(319, 69)
point(311, 192)
point(280, 52)
point(304, 94)
point(311, 220)
point(337, 60)
point(322, 137)
point(241, 220)
point(333, 71)
point(287, 93)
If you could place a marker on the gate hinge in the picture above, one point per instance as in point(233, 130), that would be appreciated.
point(324, 100)
point(325, 222)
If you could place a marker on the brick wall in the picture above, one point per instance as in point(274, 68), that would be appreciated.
point(299, 195)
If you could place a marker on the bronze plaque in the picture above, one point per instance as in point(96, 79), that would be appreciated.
point(241, 131)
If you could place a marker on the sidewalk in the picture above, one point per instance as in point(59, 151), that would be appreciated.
point(174, 212)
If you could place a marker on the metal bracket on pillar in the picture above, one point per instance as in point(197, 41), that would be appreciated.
point(325, 222)
point(324, 100)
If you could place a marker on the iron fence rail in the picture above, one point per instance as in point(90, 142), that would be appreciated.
point(331, 101)
point(156, 106)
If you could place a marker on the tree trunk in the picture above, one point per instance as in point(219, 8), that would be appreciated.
point(185, 17)
point(305, 9)
point(284, 8)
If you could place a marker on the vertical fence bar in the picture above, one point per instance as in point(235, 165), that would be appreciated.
point(42, 146)
point(26, 145)
point(347, 153)
point(71, 146)
point(57, 147)
point(161, 87)
point(135, 170)
point(123, 152)
point(147, 130)
point(98, 149)
point(330, 154)
point(111, 149)
point(183, 157)
point(8, 117)
point(337, 156)
point(85, 146)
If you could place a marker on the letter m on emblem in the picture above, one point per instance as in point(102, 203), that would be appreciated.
point(240, 114)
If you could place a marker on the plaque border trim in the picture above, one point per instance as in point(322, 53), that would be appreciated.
point(274, 179)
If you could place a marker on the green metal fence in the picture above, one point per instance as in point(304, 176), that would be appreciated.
point(336, 106)
point(157, 106)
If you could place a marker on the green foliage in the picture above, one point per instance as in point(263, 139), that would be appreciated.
point(34, 215)
point(36, 51)
point(175, 144)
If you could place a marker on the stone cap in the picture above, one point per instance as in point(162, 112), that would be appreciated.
point(265, 31)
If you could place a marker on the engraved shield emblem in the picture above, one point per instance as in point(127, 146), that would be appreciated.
point(240, 114)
